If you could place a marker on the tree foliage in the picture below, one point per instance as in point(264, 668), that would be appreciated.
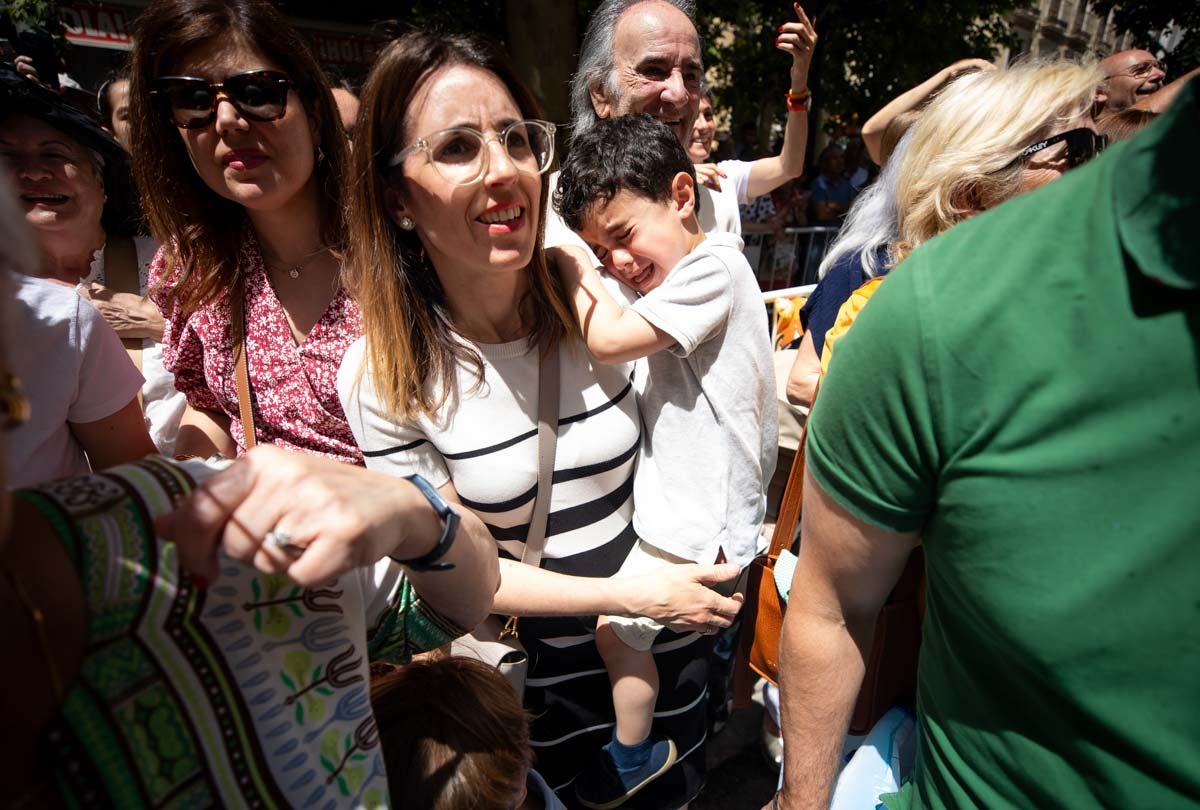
point(1146, 19)
point(36, 15)
point(868, 50)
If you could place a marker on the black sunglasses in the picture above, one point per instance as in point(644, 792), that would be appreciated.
point(1083, 144)
point(190, 103)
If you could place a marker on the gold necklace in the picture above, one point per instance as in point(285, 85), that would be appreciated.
point(38, 619)
point(295, 269)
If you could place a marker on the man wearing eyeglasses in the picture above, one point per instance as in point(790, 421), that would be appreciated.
point(1130, 77)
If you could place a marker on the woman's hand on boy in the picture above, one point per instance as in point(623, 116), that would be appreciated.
point(682, 598)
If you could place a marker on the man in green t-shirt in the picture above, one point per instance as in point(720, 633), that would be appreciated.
point(1023, 396)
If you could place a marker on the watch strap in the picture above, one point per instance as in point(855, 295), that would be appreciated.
point(450, 520)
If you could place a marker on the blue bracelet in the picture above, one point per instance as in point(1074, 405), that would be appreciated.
point(450, 519)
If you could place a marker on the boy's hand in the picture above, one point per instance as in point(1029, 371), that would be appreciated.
point(569, 261)
point(612, 333)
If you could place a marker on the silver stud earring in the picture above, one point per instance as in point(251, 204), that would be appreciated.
point(407, 224)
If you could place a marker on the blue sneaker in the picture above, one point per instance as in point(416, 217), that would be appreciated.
point(600, 786)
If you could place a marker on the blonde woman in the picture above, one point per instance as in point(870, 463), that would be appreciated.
point(989, 137)
point(972, 149)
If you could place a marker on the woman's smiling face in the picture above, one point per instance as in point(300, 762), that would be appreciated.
point(488, 225)
point(54, 177)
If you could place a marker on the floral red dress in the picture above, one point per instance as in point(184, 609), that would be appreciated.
point(293, 387)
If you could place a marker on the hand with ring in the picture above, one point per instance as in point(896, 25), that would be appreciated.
point(308, 517)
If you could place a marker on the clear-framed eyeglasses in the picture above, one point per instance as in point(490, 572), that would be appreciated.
point(461, 157)
point(1143, 70)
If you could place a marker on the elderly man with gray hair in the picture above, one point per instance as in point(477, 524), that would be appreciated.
point(643, 56)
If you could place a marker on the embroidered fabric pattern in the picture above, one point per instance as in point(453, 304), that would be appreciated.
point(253, 693)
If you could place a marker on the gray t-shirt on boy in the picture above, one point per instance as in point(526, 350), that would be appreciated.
point(708, 407)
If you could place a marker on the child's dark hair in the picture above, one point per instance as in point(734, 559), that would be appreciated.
point(633, 152)
point(454, 736)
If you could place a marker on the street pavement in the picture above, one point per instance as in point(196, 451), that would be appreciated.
point(738, 775)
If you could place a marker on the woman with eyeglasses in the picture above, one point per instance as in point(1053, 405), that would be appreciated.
point(463, 324)
point(239, 155)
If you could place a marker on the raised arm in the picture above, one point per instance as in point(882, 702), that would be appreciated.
point(872, 130)
point(767, 174)
point(846, 569)
point(613, 333)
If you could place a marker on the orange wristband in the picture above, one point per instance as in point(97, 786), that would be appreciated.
point(798, 105)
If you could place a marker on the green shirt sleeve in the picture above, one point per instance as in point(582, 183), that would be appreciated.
point(871, 442)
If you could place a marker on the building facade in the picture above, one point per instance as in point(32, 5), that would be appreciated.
point(1066, 28)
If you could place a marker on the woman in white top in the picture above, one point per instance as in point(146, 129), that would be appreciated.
point(72, 181)
point(459, 308)
point(85, 392)
point(740, 181)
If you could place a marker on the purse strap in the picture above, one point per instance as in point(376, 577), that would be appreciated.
point(535, 540)
point(793, 493)
point(237, 316)
point(121, 275)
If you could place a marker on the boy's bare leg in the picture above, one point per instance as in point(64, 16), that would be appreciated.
point(634, 677)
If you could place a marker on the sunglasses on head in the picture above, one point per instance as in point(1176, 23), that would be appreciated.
point(189, 102)
point(1083, 144)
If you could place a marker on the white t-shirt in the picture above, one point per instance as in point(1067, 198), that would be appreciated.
point(162, 405)
point(735, 185)
point(708, 408)
point(72, 368)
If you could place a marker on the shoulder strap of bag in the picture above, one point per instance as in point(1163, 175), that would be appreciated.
point(793, 494)
point(121, 274)
point(535, 541)
point(237, 315)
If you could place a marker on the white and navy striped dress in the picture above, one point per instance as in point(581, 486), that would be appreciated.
point(486, 443)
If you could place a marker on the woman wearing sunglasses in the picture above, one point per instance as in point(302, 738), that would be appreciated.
point(972, 149)
point(463, 322)
point(239, 154)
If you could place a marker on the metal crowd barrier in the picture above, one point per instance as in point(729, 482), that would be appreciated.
point(791, 261)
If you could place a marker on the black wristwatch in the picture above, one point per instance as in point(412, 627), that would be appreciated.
point(450, 519)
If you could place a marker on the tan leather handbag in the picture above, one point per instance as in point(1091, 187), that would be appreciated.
point(891, 668)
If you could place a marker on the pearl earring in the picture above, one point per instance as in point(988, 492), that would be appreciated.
point(407, 224)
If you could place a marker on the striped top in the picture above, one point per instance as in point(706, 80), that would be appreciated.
point(485, 441)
